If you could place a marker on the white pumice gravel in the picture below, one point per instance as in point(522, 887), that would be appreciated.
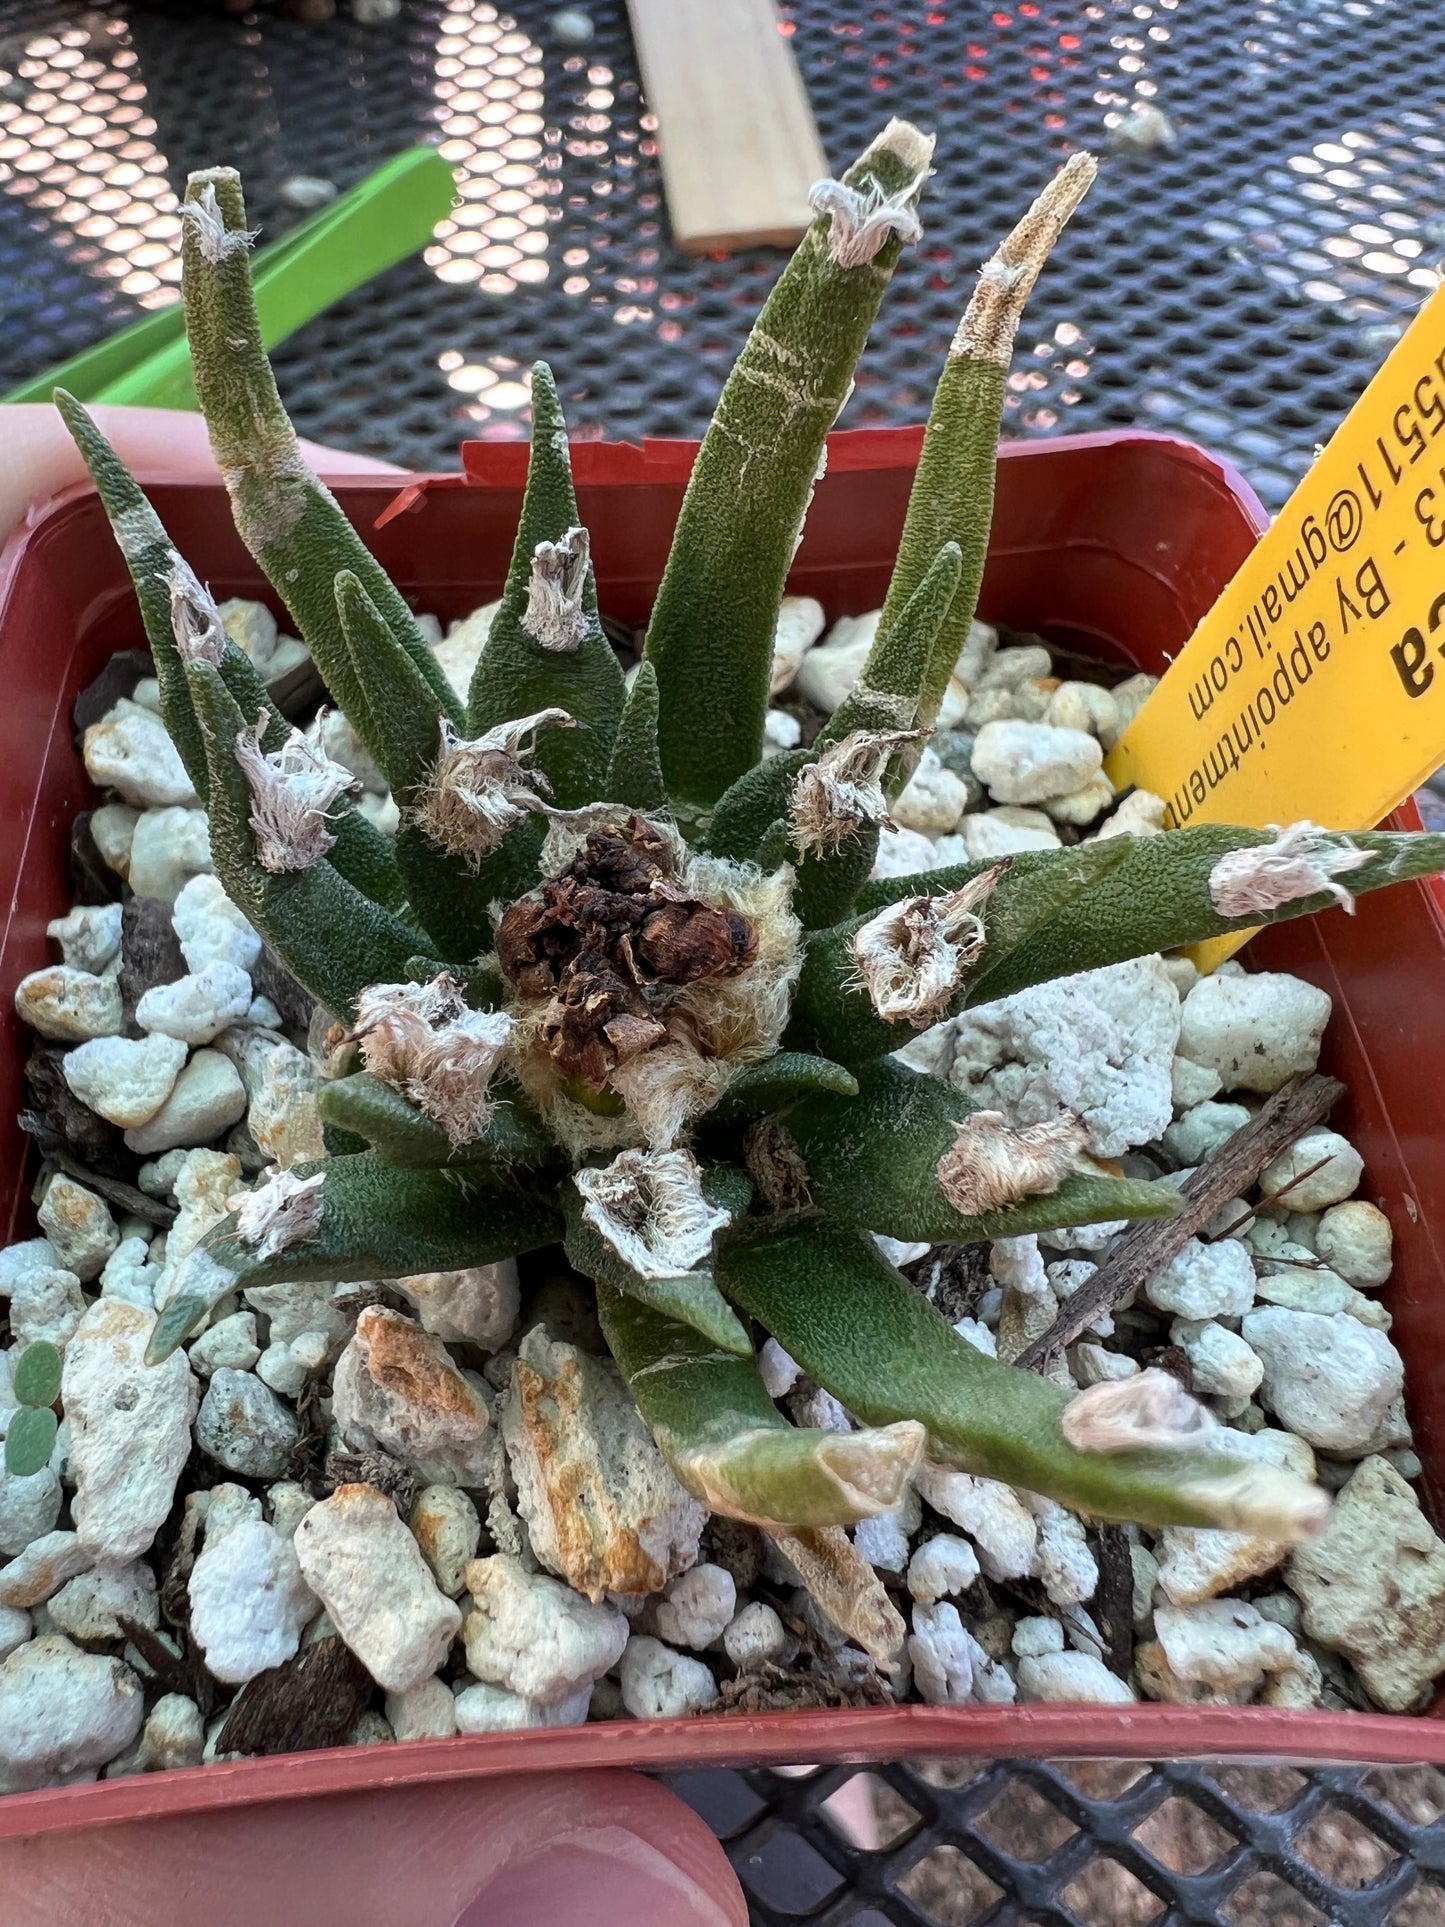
point(220, 1460)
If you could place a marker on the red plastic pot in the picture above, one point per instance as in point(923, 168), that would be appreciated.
point(1112, 542)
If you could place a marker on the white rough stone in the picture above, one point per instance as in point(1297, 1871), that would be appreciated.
point(129, 1274)
point(1036, 1635)
point(756, 1635)
point(63, 1711)
point(535, 1636)
point(249, 1602)
point(17, 1626)
point(174, 1736)
point(445, 1525)
point(799, 625)
point(208, 1098)
point(252, 627)
point(476, 1307)
point(491, 1709)
point(205, 1182)
point(244, 1426)
point(829, 670)
point(1072, 1676)
point(1355, 1240)
point(395, 1386)
point(289, 1504)
point(32, 1254)
point(944, 1655)
point(169, 848)
point(42, 1569)
point(46, 1306)
point(1008, 668)
point(1372, 1586)
point(1293, 1277)
point(1192, 1084)
point(1331, 1380)
point(778, 1371)
point(305, 1306)
point(69, 1005)
point(281, 1085)
point(125, 1079)
point(426, 1711)
point(1256, 1031)
point(1205, 1281)
point(88, 935)
point(883, 1541)
point(1099, 1045)
point(942, 1566)
point(1022, 762)
point(1224, 1644)
point(781, 731)
point(281, 1369)
point(1130, 697)
point(91, 1606)
point(129, 1429)
point(1340, 1169)
point(112, 828)
point(210, 929)
point(263, 1014)
point(29, 1507)
point(131, 753)
point(1094, 1365)
point(903, 853)
point(1082, 705)
point(990, 834)
point(933, 800)
point(660, 1684)
point(992, 1514)
point(228, 1345)
point(226, 1507)
point(1068, 1569)
point(79, 1226)
point(1224, 1366)
point(1202, 1129)
point(362, 1563)
point(196, 1008)
point(696, 1607)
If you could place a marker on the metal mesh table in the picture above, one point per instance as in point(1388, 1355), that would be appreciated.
point(1239, 286)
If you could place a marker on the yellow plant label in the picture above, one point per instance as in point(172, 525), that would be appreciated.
point(1315, 686)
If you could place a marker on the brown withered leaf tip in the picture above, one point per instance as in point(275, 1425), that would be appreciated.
point(400, 1484)
point(597, 938)
point(766, 1688)
point(775, 1164)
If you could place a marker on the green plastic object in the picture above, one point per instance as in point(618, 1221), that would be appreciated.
point(331, 253)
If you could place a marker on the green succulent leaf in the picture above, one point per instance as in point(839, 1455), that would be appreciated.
point(785, 1077)
point(37, 1374)
point(634, 775)
point(836, 1305)
point(691, 1299)
point(364, 1107)
point(376, 1222)
point(30, 1441)
point(728, 1444)
point(873, 1161)
point(888, 693)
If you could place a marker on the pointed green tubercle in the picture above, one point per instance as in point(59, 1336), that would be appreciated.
point(634, 774)
point(727, 1442)
point(287, 519)
point(889, 692)
point(712, 627)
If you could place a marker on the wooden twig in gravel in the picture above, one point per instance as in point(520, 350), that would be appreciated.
point(1149, 1247)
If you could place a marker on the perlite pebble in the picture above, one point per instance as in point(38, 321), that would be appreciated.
point(169, 847)
point(198, 1007)
point(830, 669)
point(46, 1306)
point(1072, 1676)
point(79, 1226)
point(248, 1602)
point(942, 1566)
point(696, 1607)
point(991, 834)
point(1355, 1240)
point(90, 1607)
point(903, 853)
point(660, 1684)
point(1020, 762)
point(244, 1426)
point(207, 1098)
point(125, 1079)
point(1256, 1031)
point(1205, 1281)
point(533, 1635)
point(131, 753)
point(88, 935)
point(1223, 1365)
point(943, 1654)
point(757, 1634)
point(1294, 1174)
point(229, 1344)
point(426, 1711)
point(211, 929)
point(174, 1735)
point(445, 1525)
point(1330, 1379)
point(63, 1711)
point(1203, 1128)
point(492, 1709)
point(68, 1005)
point(1192, 1083)
point(992, 1515)
point(1224, 1644)
point(933, 799)
point(29, 1507)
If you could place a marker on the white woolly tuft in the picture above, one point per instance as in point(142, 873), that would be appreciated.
point(1303, 861)
point(844, 789)
point(216, 242)
point(649, 1207)
point(284, 1211)
point(483, 787)
point(1263, 1499)
point(195, 619)
point(428, 1043)
point(292, 788)
point(990, 1164)
point(1149, 1412)
point(862, 220)
point(555, 616)
point(914, 955)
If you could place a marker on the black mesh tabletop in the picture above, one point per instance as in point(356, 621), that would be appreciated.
point(1237, 285)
